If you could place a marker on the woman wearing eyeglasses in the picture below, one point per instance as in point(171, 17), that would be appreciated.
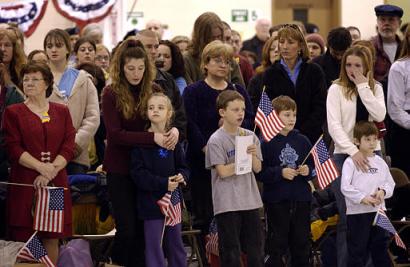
point(39, 137)
point(75, 89)
point(292, 75)
point(203, 120)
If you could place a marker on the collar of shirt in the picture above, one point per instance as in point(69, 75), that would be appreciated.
point(292, 76)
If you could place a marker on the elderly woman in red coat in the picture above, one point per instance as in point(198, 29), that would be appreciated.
point(39, 137)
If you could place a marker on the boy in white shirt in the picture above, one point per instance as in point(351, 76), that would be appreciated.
point(364, 193)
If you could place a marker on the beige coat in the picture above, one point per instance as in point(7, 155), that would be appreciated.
point(84, 110)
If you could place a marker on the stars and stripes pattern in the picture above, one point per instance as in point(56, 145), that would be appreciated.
point(211, 245)
point(34, 250)
point(49, 210)
point(170, 206)
point(383, 221)
point(326, 169)
point(267, 119)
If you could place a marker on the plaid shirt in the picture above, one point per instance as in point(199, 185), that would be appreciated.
point(383, 64)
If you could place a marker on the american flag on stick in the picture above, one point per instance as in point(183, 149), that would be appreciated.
point(34, 250)
point(267, 119)
point(325, 167)
point(170, 206)
point(383, 221)
point(211, 245)
point(49, 210)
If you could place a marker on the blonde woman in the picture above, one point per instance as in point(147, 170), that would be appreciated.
point(293, 75)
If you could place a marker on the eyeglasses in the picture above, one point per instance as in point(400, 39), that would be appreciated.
point(34, 80)
point(221, 61)
point(102, 58)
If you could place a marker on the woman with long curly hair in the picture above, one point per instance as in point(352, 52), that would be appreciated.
point(123, 105)
point(208, 27)
point(14, 57)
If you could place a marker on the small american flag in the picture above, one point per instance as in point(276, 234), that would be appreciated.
point(383, 221)
point(325, 167)
point(34, 250)
point(170, 206)
point(211, 245)
point(49, 210)
point(267, 119)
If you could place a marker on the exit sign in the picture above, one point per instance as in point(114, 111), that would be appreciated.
point(239, 15)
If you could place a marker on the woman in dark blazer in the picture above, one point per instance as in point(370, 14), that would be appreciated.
point(292, 75)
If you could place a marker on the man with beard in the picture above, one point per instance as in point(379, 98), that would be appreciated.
point(386, 42)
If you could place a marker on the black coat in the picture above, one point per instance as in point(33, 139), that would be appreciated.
point(167, 83)
point(309, 95)
point(330, 66)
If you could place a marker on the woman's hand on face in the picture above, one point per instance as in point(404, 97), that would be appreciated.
point(40, 181)
point(360, 161)
point(357, 77)
point(171, 138)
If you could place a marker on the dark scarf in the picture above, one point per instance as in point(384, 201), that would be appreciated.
point(361, 112)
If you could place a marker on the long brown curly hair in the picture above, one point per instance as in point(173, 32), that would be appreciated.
point(202, 33)
point(18, 59)
point(365, 55)
point(125, 101)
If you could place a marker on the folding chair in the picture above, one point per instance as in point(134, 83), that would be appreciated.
point(192, 236)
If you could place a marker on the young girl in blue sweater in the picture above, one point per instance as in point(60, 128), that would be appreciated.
point(157, 173)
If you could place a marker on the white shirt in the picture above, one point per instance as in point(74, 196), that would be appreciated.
point(398, 93)
point(341, 114)
point(390, 49)
point(356, 185)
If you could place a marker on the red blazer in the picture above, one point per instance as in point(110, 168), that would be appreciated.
point(24, 131)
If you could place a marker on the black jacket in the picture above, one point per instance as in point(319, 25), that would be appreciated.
point(254, 45)
point(167, 83)
point(330, 66)
point(309, 95)
point(285, 152)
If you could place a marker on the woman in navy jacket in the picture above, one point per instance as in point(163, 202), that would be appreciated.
point(292, 75)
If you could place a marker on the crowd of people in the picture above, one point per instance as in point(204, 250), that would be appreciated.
point(161, 117)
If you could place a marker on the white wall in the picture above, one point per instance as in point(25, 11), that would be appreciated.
point(113, 25)
point(360, 14)
point(180, 15)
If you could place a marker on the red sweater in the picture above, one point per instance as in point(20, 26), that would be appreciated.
point(122, 134)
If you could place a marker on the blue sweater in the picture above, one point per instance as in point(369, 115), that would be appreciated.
point(203, 118)
point(150, 169)
point(281, 152)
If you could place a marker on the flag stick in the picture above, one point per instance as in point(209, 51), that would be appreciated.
point(31, 185)
point(318, 140)
point(263, 90)
point(163, 231)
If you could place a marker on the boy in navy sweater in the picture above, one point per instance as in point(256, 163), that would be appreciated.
point(286, 191)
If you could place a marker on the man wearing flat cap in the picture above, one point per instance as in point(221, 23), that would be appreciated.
point(387, 42)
